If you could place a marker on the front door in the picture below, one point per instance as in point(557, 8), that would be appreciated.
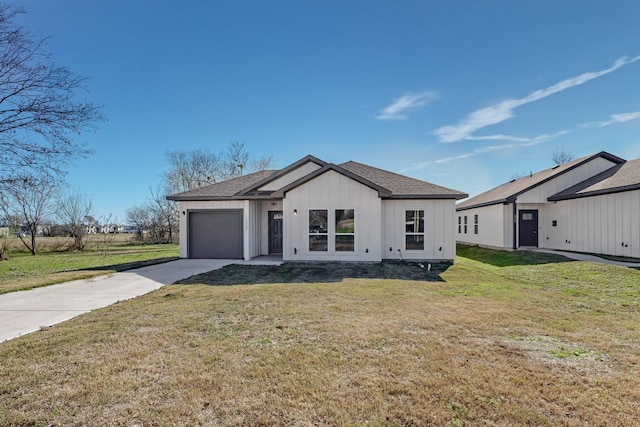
point(275, 232)
point(528, 226)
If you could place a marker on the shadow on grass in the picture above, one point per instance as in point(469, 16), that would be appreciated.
point(317, 273)
point(129, 265)
point(507, 258)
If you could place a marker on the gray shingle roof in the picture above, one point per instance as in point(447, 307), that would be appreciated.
point(223, 190)
point(400, 185)
point(388, 184)
point(507, 191)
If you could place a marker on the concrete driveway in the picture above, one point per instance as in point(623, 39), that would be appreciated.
point(27, 311)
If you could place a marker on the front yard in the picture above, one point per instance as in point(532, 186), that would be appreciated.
point(496, 339)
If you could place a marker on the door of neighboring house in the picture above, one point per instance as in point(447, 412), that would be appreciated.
point(528, 228)
point(275, 232)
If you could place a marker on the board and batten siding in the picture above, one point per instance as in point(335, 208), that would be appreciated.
point(606, 224)
point(561, 182)
point(187, 206)
point(439, 239)
point(290, 177)
point(332, 191)
point(492, 231)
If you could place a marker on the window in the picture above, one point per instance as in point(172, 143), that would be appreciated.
point(414, 230)
point(465, 224)
point(318, 231)
point(345, 230)
point(475, 224)
point(459, 225)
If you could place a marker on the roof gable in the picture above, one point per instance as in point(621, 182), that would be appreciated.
point(382, 192)
point(263, 186)
point(509, 191)
point(623, 177)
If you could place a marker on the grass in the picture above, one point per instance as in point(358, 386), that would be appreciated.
point(523, 344)
point(23, 271)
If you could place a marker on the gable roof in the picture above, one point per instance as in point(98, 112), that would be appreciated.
point(387, 184)
point(623, 177)
point(509, 191)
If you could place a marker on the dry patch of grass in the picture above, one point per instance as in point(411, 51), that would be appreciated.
point(552, 344)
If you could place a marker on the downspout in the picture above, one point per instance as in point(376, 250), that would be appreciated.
point(515, 224)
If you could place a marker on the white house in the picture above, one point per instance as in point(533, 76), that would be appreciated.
point(317, 211)
point(588, 205)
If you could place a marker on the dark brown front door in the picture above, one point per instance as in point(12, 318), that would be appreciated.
point(275, 232)
point(528, 226)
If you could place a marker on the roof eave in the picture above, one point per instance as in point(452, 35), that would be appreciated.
point(613, 190)
point(427, 196)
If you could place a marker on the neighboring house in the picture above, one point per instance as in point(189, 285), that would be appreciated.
point(588, 205)
point(317, 211)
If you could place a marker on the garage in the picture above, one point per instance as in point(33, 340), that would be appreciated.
point(216, 234)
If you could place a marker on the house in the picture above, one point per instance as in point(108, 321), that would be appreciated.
point(588, 205)
point(317, 211)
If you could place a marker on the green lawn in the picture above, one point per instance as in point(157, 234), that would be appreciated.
point(24, 271)
point(523, 343)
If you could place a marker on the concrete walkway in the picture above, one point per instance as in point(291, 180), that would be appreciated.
point(27, 311)
point(590, 258)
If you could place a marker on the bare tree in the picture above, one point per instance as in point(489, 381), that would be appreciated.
point(73, 210)
point(38, 110)
point(192, 169)
point(28, 201)
point(561, 156)
point(166, 212)
point(140, 218)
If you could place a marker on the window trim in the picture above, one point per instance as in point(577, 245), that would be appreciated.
point(318, 233)
point(421, 218)
point(476, 224)
point(337, 234)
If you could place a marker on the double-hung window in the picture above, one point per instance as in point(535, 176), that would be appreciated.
point(345, 230)
point(414, 230)
point(475, 224)
point(318, 230)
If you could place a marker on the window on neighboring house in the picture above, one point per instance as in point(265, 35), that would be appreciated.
point(414, 230)
point(475, 224)
point(345, 230)
point(459, 225)
point(465, 224)
point(318, 230)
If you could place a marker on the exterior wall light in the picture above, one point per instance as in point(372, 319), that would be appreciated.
point(295, 211)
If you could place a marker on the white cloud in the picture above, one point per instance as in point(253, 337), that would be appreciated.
point(615, 118)
point(518, 142)
point(505, 109)
point(409, 102)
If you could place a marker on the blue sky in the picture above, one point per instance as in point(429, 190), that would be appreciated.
point(463, 94)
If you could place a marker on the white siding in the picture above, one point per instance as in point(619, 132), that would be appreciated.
point(440, 242)
point(332, 191)
point(607, 224)
point(292, 176)
point(205, 205)
point(564, 181)
point(492, 226)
